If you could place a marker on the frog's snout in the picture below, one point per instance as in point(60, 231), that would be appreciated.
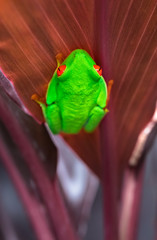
point(79, 53)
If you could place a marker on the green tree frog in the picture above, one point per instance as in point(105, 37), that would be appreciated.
point(76, 96)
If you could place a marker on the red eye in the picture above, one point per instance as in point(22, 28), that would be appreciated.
point(98, 69)
point(61, 70)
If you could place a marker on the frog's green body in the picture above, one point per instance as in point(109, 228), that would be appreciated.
point(76, 99)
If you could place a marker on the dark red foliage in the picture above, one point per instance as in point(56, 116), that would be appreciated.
point(122, 38)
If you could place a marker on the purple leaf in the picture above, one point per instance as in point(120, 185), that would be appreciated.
point(44, 180)
point(32, 207)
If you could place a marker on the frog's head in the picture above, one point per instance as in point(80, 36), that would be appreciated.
point(79, 66)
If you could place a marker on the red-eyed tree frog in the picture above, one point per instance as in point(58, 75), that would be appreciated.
point(76, 96)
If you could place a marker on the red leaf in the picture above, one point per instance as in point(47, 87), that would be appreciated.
point(132, 49)
point(33, 32)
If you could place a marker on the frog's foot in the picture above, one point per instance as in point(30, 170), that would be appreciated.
point(38, 99)
point(53, 119)
point(95, 117)
point(109, 87)
point(59, 59)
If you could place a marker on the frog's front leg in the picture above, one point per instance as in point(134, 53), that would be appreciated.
point(52, 117)
point(96, 115)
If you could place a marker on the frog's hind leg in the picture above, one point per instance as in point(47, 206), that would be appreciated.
point(53, 119)
point(95, 117)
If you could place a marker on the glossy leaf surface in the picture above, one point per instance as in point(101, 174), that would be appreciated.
point(33, 32)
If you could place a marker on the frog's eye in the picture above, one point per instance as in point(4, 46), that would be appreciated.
point(98, 69)
point(61, 70)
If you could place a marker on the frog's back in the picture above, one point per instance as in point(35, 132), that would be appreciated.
point(78, 94)
point(77, 91)
point(75, 105)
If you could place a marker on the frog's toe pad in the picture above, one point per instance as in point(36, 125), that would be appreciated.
point(38, 99)
point(35, 97)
